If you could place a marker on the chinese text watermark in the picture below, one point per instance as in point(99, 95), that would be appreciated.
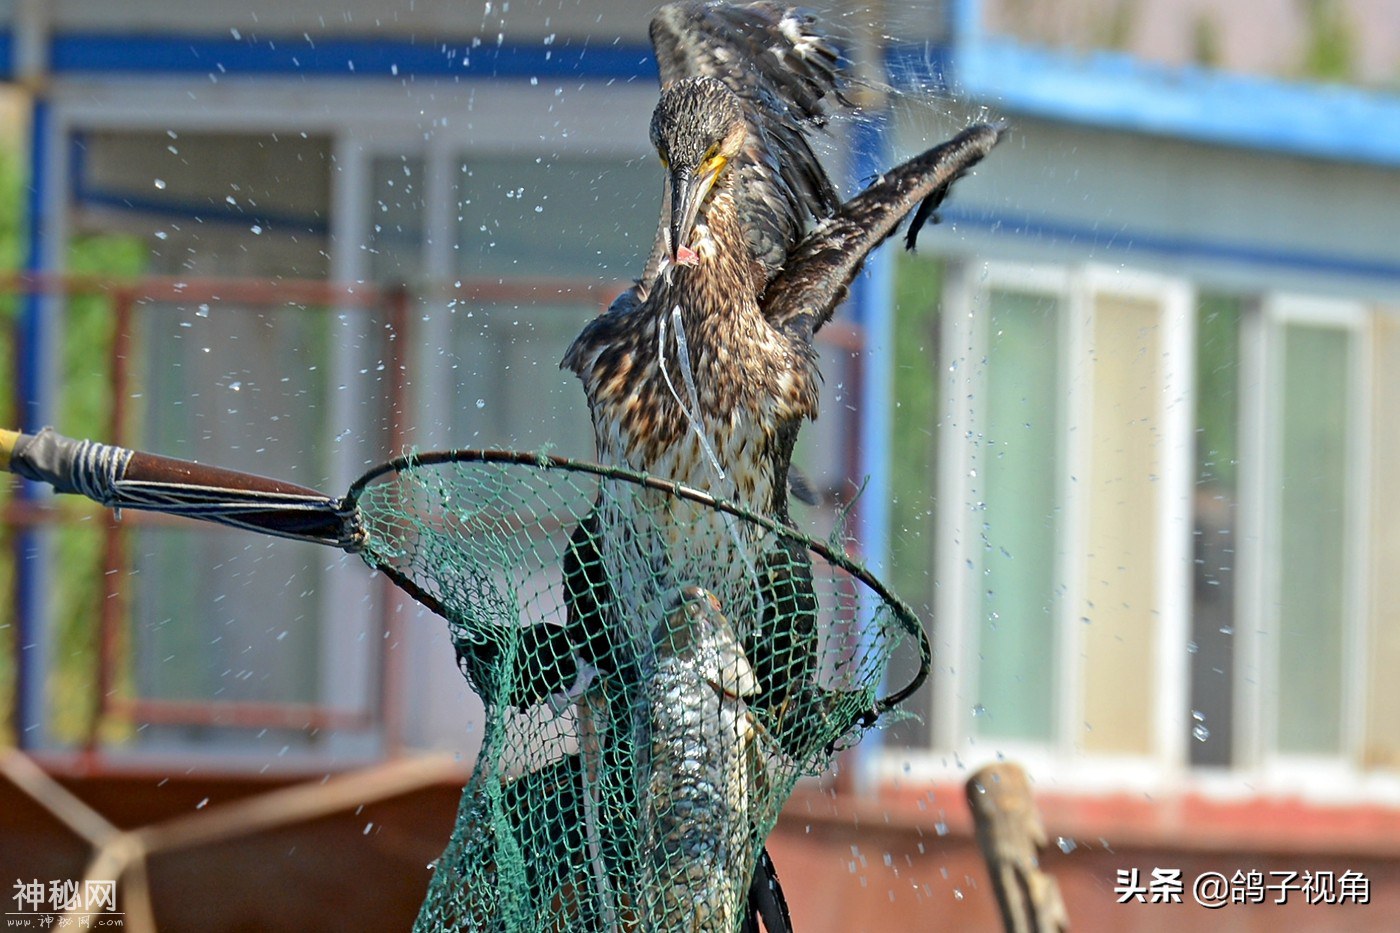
point(60, 904)
point(1216, 889)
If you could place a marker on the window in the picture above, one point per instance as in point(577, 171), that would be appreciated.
point(1308, 626)
point(220, 628)
point(1063, 526)
point(575, 222)
point(225, 617)
point(1166, 531)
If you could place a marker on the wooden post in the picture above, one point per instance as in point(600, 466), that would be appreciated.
point(1010, 834)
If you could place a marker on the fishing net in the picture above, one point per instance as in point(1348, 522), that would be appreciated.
point(658, 667)
point(658, 670)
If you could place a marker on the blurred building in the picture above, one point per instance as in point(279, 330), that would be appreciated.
point(1128, 416)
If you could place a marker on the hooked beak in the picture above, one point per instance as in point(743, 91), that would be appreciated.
point(687, 194)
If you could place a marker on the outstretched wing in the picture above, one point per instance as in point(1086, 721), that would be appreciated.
point(819, 271)
point(786, 74)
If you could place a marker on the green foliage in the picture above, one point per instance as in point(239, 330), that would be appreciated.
point(914, 444)
point(1330, 42)
point(83, 409)
point(916, 392)
point(1205, 41)
point(1217, 388)
point(1114, 28)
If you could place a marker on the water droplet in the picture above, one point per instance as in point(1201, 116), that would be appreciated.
point(1199, 730)
point(202, 804)
point(160, 184)
point(202, 311)
point(257, 229)
point(161, 235)
point(481, 403)
point(235, 386)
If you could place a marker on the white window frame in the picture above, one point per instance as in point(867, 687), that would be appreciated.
point(965, 342)
point(1320, 776)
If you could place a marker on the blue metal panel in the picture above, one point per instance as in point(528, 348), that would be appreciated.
point(872, 304)
point(77, 53)
point(1121, 92)
point(32, 337)
point(872, 301)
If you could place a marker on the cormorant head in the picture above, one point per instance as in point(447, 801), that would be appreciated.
point(697, 127)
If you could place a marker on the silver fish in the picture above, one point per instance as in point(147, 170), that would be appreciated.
point(698, 848)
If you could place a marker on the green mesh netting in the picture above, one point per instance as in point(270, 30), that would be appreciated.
point(658, 671)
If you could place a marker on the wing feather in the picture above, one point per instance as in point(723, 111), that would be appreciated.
point(819, 271)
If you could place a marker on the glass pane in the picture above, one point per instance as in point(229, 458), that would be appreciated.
point(1312, 538)
point(1018, 466)
point(1215, 511)
point(590, 218)
point(220, 615)
point(394, 240)
point(1124, 527)
point(510, 388)
point(244, 204)
point(1383, 714)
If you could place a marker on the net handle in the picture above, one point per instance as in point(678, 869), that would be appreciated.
point(902, 611)
point(121, 478)
point(148, 467)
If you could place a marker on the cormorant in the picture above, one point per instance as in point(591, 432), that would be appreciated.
point(704, 370)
